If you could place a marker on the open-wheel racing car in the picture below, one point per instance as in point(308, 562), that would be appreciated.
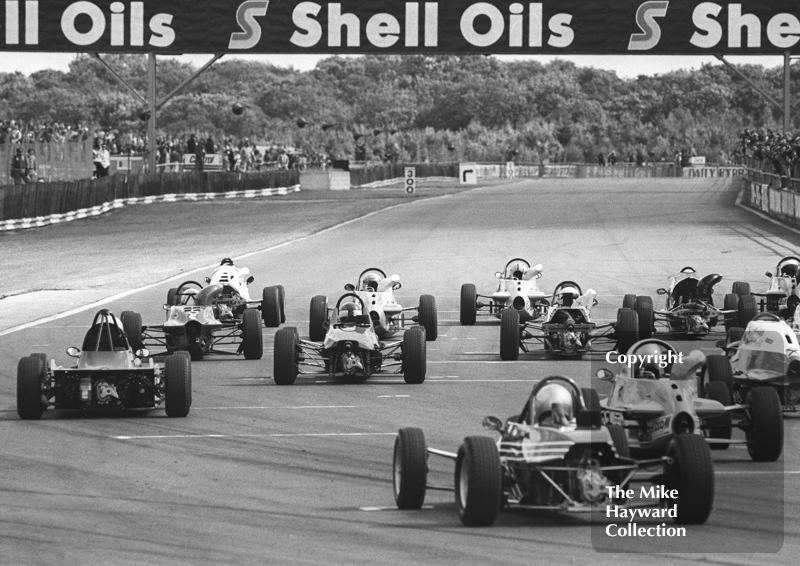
point(567, 328)
point(377, 293)
point(654, 398)
point(350, 348)
point(765, 354)
point(109, 374)
point(517, 288)
point(782, 297)
point(689, 309)
point(556, 455)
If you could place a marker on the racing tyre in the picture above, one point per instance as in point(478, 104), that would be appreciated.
point(718, 368)
point(318, 318)
point(414, 355)
point(627, 329)
point(252, 337)
point(691, 472)
point(410, 468)
point(172, 296)
point(719, 427)
point(178, 385)
point(620, 441)
point(42, 357)
point(428, 317)
point(132, 325)
point(282, 301)
point(284, 368)
point(765, 427)
point(31, 374)
point(478, 481)
point(748, 309)
point(271, 307)
point(469, 304)
point(731, 303)
point(628, 301)
point(735, 334)
point(644, 310)
point(741, 288)
point(591, 398)
point(509, 334)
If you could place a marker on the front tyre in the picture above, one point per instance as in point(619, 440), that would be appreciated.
point(691, 472)
point(748, 309)
point(644, 310)
point(469, 305)
point(177, 385)
point(284, 368)
point(410, 468)
point(509, 334)
point(31, 374)
point(428, 317)
point(765, 431)
point(719, 427)
point(627, 329)
point(270, 307)
point(132, 325)
point(252, 336)
point(731, 303)
point(318, 318)
point(414, 355)
point(478, 482)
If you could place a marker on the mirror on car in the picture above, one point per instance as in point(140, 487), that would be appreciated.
point(662, 291)
point(349, 287)
point(492, 423)
point(142, 353)
point(208, 279)
point(594, 303)
point(396, 286)
point(499, 274)
point(250, 279)
point(768, 274)
point(72, 351)
point(166, 307)
point(604, 374)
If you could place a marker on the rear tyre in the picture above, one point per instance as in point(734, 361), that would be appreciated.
point(509, 334)
point(691, 472)
point(765, 431)
point(591, 398)
point(428, 317)
point(410, 468)
point(177, 386)
point(719, 427)
point(718, 368)
point(318, 318)
point(478, 481)
point(271, 307)
point(748, 309)
point(741, 288)
point(628, 301)
point(414, 355)
point(731, 304)
point(132, 325)
point(469, 305)
point(284, 368)
point(282, 301)
point(627, 329)
point(252, 336)
point(172, 296)
point(620, 440)
point(735, 334)
point(644, 310)
point(31, 374)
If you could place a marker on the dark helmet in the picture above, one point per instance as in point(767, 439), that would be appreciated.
point(226, 261)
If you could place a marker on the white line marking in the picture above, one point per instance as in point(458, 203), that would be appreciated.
point(747, 473)
point(384, 396)
point(389, 508)
point(183, 275)
point(276, 435)
point(286, 407)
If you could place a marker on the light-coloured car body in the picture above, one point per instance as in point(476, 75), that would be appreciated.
point(517, 288)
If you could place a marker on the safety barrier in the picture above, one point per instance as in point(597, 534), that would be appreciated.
point(363, 175)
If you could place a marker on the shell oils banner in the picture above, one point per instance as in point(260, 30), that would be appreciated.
point(688, 27)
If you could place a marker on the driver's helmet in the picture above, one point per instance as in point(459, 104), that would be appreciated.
point(567, 295)
point(370, 282)
point(554, 405)
point(187, 296)
point(790, 268)
point(348, 310)
point(516, 270)
point(226, 261)
point(656, 362)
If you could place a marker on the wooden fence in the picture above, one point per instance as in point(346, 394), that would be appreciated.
point(42, 199)
point(56, 161)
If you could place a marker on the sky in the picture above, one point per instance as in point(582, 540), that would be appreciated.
point(626, 66)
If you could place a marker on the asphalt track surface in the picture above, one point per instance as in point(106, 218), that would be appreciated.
point(261, 474)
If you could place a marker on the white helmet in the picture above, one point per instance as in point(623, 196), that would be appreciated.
point(370, 282)
point(349, 309)
point(655, 361)
point(567, 295)
point(553, 405)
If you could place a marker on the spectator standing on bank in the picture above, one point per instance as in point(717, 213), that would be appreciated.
point(210, 146)
point(105, 161)
point(33, 168)
point(612, 158)
point(19, 167)
point(191, 145)
point(601, 159)
point(175, 159)
point(247, 156)
point(200, 157)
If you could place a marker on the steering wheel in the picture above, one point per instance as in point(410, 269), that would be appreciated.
point(187, 284)
point(770, 316)
point(517, 259)
point(563, 285)
point(345, 296)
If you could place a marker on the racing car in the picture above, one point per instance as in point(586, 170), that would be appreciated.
point(782, 297)
point(350, 349)
point(690, 309)
point(765, 354)
point(517, 288)
point(377, 292)
point(567, 328)
point(556, 455)
point(202, 319)
point(109, 374)
point(655, 398)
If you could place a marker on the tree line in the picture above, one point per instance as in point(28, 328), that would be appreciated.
point(418, 108)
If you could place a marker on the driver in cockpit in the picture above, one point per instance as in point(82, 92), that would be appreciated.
point(554, 406)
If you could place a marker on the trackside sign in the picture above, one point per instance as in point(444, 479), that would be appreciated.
point(677, 27)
